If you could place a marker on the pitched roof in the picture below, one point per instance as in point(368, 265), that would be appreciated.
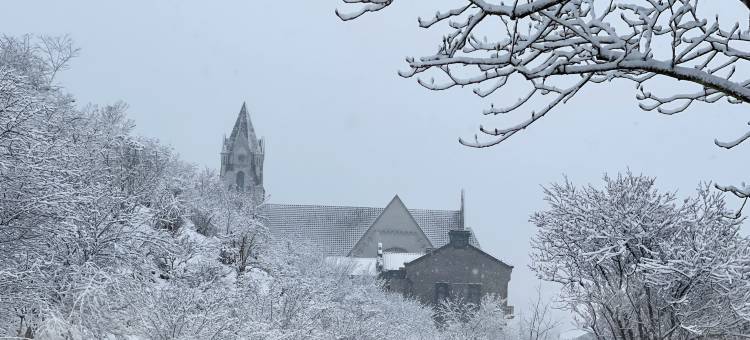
point(243, 131)
point(447, 247)
point(394, 211)
point(336, 229)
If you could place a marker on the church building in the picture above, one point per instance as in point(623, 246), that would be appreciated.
point(419, 252)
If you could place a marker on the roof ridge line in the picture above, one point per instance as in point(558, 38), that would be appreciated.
point(356, 206)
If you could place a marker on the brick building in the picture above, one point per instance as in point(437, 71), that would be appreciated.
point(457, 270)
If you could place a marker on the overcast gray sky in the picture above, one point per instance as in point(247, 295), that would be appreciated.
point(343, 129)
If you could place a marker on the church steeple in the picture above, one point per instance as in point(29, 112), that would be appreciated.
point(242, 157)
point(243, 132)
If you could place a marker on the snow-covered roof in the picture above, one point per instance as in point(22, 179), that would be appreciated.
point(394, 261)
point(336, 229)
point(368, 265)
point(358, 265)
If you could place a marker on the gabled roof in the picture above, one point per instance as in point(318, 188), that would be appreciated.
point(394, 209)
point(336, 229)
point(447, 246)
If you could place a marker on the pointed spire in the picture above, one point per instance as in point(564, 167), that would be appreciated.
point(243, 131)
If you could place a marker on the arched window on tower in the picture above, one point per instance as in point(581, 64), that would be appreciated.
point(240, 181)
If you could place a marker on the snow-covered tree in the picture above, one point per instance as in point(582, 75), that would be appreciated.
point(302, 296)
point(636, 263)
point(461, 320)
point(87, 208)
point(555, 48)
point(245, 235)
point(218, 210)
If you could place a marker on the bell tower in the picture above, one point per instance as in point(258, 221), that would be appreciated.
point(242, 157)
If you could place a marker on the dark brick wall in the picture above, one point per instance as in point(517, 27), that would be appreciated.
point(457, 266)
point(395, 280)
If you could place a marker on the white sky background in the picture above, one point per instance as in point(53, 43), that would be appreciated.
point(343, 129)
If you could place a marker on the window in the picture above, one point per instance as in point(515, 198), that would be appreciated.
point(240, 181)
point(474, 293)
point(442, 292)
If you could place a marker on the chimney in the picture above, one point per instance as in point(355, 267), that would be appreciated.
point(459, 238)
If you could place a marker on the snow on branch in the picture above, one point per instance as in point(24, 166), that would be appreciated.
point(743, 191)
point(369, 6)
point(553, 44)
